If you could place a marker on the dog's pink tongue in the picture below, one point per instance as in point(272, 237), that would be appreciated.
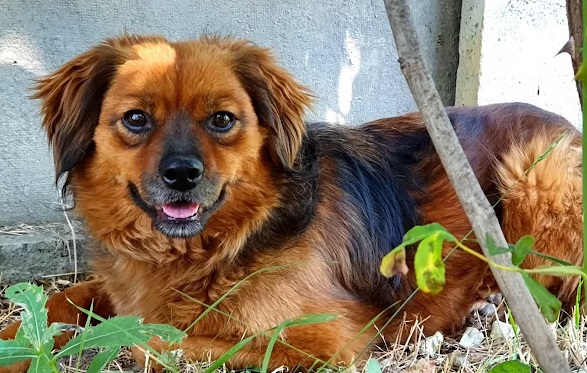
point(180, 210)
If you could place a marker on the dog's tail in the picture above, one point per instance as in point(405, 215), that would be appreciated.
point(540, 182)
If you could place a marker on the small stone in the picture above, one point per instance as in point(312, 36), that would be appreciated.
point(495, 299)
point(502, 330)
point(471, 338)
point(553, 327)
point(431, 345)
point(488, 310)
point(422, 366)
point(459, 360)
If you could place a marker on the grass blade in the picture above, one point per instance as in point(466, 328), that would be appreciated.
point(102, 359)
point(302, 320)
point(230, 353)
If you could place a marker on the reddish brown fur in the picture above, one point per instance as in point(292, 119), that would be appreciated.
point(141, 271)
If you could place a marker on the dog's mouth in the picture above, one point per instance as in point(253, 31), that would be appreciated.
point(178, 219)
point(181, 210)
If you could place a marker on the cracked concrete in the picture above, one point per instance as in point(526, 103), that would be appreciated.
point(36, 252)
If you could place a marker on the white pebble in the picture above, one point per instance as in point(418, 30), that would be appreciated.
point(459, 360)
point(431, 345)
point(471, 338)
point(502, 330)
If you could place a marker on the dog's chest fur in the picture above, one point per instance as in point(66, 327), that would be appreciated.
point(178, 292)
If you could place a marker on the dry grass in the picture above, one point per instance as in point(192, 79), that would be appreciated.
point(52, 229)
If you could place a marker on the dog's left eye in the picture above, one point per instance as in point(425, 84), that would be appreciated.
point(221, 121)
point(136, 121)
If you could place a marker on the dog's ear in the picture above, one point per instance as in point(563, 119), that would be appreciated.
point(279, 101)
point(71, 99)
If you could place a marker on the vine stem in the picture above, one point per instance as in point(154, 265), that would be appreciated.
point(478, 209)
point(485, 259)
point(577, 271)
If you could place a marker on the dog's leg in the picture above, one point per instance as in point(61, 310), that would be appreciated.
point(83, 295)
point(338, 342)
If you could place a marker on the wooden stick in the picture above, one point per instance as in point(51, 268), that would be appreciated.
point(477, 207)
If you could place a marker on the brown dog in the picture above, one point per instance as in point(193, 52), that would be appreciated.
point(193, 168)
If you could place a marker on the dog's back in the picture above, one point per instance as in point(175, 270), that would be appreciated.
point(391, 178)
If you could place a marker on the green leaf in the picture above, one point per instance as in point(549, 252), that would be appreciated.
point(420, 232)
point(166, 332)
point(394, 263)
point(428, 260)
point(512, 366)
point(313, 318)
point(41, 364)
point(551, 258)
point(372, 366)
point(521, 249)
point(170, 359)
point(102, 359)
point(34, 316)
point(12, 352)
point(428, 264)
point(230, 353)
point(301, 320)
point(495, 250)
point(119, 331)
point(549, 304)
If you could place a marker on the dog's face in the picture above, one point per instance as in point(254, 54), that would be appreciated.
point(170, 132)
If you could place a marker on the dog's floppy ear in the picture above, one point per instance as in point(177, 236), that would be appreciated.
point(71, 99)
point(279, 101)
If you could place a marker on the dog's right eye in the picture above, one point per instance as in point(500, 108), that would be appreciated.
point(136, 121)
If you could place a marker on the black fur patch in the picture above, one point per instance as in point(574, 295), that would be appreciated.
point(299, 199)
point(373, 170)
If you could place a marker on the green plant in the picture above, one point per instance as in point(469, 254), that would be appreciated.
point(34, 339)
point(429, 265)
point(512, 366)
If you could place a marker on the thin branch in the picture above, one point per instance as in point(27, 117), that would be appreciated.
point(478, 210)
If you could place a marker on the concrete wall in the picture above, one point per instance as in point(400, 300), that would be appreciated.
point(508, 53)
point(341, 49)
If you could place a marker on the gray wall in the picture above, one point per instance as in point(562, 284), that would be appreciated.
point(341, 49)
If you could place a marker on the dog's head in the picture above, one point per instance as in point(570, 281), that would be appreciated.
point(170, 133)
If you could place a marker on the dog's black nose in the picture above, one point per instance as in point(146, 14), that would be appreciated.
point(181, 173)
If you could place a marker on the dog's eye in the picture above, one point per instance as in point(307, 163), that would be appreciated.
point(136, 121)
point(221, 121)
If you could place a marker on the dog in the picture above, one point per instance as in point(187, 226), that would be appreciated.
point(194, 169)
